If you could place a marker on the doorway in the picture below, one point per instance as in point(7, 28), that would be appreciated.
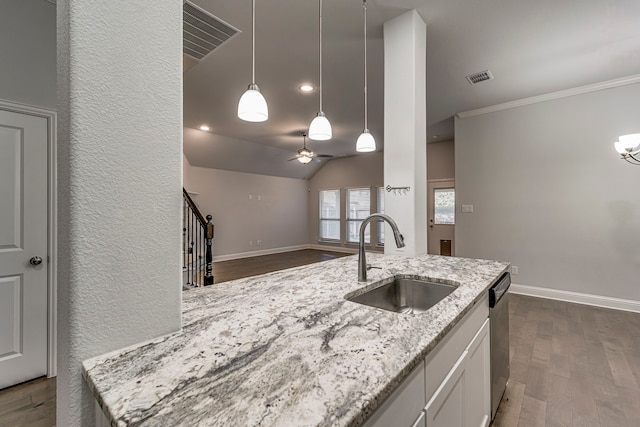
point(441, 216)
point(26, 244)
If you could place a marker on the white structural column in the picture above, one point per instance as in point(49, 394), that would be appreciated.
point(405, 134)
point(120, 173)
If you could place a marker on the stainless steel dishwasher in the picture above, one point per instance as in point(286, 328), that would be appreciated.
point(499, 321)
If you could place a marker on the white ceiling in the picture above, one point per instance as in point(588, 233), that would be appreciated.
point(531, 48)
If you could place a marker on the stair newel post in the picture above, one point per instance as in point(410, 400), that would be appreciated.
point(208, 279)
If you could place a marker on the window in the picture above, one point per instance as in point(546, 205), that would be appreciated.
point(381, 210)
point(330, 215)
point(358, 208)
point(444, 206)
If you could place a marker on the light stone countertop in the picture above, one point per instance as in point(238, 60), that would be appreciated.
point(284, 348)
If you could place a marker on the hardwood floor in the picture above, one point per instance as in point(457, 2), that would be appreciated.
point(572, 365)
point(31, 404)
point(224, 271)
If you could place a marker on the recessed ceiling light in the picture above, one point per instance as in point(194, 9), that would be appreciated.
point(204, 128)
point(306, 87)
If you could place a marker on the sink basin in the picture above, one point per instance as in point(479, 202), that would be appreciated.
point(404, 295)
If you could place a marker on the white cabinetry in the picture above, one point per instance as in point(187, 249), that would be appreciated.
point(462, 399)
point(404, 406)
point(453, 387)
point(478, 380)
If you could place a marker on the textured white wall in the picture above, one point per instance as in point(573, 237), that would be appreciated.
point(120, 173)
point(405, 131)
point(276, 214)
point(551, 195)
point(28, 52)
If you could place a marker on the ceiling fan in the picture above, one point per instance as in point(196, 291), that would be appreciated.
point(305, 155)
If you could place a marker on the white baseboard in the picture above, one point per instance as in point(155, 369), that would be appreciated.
point(331, 248)
point(250, 254)
point(577, 297)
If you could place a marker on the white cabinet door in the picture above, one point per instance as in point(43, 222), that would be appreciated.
point(447, 405)
point(478, 380)
point(23, 237)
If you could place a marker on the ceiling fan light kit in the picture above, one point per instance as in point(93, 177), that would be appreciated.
point(628, 146)
point(305, 159)
point(366, 142)
point(320, 128)
point(252, 106)
point(305, 155)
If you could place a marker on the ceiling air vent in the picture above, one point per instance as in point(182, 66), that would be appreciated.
point(479, 77)
point(202, 32)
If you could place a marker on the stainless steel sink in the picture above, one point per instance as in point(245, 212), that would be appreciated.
point(404, 295)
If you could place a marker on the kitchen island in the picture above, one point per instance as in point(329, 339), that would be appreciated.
point(285, 348)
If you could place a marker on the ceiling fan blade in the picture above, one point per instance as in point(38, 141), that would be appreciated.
point(324, 156)
point(293, 158)
point(315, 160)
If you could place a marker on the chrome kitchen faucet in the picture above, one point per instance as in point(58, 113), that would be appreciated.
point(362, 258)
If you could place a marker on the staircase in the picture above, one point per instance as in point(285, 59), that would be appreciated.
point(197, 236)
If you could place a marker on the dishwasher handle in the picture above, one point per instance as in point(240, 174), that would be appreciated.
point(498, 290)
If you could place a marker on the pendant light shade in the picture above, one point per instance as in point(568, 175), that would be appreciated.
point(252, 106)
point(628, 146)
point(320, 128)
point(365, 143)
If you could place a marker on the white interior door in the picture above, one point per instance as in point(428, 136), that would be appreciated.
point(23, 240)
point(441, 209)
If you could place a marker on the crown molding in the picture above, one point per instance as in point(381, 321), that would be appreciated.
point(551, 96)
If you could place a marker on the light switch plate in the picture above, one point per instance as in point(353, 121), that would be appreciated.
point(467, 208)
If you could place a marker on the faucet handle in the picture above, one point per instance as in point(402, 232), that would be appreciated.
point(369, 267)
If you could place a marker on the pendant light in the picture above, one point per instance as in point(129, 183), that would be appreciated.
point(252, 106)
point(320, 128)
point(366, 142)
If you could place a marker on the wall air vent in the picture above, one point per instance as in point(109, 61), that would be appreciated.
point(202, 32)
point(479, 77)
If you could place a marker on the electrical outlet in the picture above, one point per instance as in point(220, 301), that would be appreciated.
point(259, 197)
point(250, 196)
point(514, 269)
point(259, 242)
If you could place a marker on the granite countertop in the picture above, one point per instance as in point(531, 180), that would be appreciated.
point(284, 348)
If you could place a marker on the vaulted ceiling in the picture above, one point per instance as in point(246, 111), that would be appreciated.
point(530, 47)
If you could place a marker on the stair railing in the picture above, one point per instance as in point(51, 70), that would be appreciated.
point(197, 236)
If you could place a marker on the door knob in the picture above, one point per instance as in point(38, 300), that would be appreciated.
point(36, 260)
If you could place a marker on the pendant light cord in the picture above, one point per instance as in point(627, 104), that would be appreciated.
point(364, 6)
point(320, 51)
point(253, 42)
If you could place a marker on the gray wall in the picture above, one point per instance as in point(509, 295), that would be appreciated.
point(357, 171)
point(28, 52)
point(440, 160)
point(276, 214)
point(551, 195)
